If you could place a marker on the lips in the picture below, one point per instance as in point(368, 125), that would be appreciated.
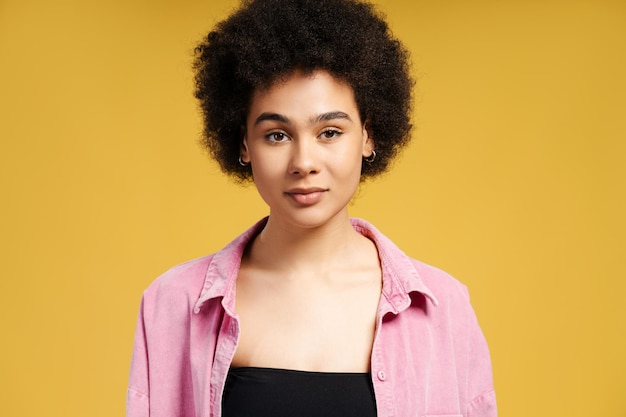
point(306, 196)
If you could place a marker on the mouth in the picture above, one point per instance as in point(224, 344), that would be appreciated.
point(306, 196)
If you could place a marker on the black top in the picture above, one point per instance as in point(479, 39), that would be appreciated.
point(260, 392)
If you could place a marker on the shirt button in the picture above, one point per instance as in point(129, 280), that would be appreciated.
point(381, 375)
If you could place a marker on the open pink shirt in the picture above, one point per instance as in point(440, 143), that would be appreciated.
point(429, 356)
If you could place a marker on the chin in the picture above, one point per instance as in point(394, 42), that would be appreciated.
point(309, 218)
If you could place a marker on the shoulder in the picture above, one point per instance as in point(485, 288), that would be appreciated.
point(180, 285)
point(194, 282)
point(454, 311)
point(452, 296)
point(444, 286)
point(183, 275)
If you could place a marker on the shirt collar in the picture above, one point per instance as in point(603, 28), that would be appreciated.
point(400, 277)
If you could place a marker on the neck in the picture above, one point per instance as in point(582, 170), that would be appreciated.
point(304, 251)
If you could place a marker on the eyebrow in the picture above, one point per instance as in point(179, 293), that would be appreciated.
point(324, 117)
point(272, 117)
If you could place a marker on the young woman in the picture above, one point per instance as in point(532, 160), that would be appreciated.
point(309, 312)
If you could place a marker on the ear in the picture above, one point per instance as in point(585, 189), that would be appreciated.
point(368, 141)
point(243, 150)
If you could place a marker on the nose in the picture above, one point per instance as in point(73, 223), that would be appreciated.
point(304, 157)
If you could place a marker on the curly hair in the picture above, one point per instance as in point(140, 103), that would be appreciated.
point(265, 40)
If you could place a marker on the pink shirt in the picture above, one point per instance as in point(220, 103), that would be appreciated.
point(429, 356)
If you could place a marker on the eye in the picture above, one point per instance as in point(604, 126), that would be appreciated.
point(329, 134)
point(277, 137)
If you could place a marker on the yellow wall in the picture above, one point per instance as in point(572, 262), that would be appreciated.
point(515, 183)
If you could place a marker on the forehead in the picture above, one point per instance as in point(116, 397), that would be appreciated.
point(303, 95)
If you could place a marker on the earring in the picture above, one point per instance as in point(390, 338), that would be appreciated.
point(243, 164)
point(371, 158)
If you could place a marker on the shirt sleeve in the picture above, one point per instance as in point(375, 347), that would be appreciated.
point(482, 397)
point(483, 405)
point(138, 400)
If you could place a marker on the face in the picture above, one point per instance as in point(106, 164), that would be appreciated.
point(305, 142)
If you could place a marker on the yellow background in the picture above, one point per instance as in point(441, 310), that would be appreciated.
point(515, 183)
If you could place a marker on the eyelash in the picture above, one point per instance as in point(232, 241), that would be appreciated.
point(335, 134)
point(272, 136)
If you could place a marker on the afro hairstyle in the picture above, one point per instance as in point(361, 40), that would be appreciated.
point(265, 40)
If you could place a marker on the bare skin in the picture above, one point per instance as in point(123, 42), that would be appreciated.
point(315, 312)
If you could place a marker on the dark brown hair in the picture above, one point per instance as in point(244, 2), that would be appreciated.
point(267, 39)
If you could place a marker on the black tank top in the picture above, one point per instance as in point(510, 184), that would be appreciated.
point(261, 392)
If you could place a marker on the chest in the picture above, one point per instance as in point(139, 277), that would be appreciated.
point(307, 327)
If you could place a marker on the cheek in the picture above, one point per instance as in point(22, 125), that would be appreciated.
point(265, 172)
point(347, 164)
